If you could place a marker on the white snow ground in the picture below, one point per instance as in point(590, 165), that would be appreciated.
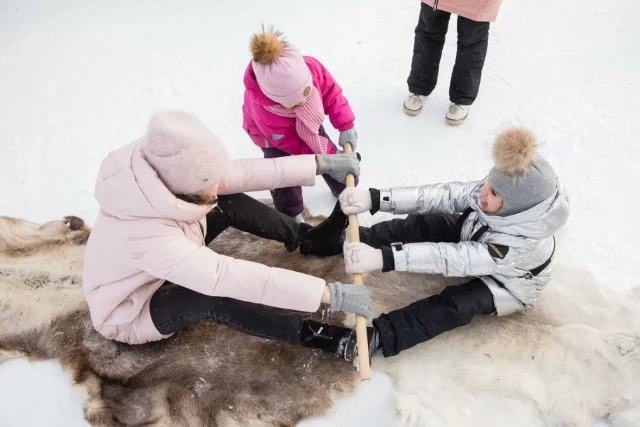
point(80, 78)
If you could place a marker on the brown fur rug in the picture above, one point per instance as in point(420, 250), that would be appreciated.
point(576, 357)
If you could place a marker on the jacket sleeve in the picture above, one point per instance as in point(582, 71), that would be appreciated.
point(248, 124)
point(448, 198)
point(334, 102)
point(464, 259)
point(267, 174)
point(160, 248)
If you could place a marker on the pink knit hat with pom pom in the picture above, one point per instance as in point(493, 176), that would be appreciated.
point(184, 153)
point(280, 70)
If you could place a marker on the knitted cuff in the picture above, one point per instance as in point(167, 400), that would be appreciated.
point(335, 292)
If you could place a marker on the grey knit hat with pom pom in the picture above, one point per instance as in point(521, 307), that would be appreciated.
point(521, 176)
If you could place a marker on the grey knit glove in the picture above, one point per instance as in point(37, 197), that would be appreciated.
point(351, 299)
point(338, 165)
point(350, 136)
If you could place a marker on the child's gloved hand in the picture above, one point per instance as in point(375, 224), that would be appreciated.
point(355, 201)
point(361, 258)
point(351, 299)
point(350, 136)
point(339, 165)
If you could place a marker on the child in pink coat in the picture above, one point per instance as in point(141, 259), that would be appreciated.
point(148, 272)
point(286, 98)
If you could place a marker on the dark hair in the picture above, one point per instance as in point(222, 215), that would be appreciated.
point(196, 199)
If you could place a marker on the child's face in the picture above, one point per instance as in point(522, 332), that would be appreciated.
point(293, 105)
point(307, 91)
point(210, 194)
point(490, 200)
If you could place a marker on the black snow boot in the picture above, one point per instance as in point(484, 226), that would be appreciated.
point(328, 338)
point(336, 340)
point(327, 238)
point(351, 349)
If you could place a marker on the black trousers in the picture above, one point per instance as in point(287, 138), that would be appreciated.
point(247, 214)
point(174, 307)
point(424, 319)
point(473, 39)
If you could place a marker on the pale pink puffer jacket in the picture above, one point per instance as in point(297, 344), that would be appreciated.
point(476, 10)
point(144, 235)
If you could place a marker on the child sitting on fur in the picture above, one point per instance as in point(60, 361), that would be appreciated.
point(148, 272)
point(286, 98)
point(498, 230)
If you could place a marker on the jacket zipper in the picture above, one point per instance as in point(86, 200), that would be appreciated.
point(204, 237)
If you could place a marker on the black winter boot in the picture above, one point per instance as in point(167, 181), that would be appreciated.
point(327, 238)
point(328, 338)
point(336, 340)
point(351, 349)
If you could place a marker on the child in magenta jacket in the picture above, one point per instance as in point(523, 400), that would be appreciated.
point(286, 98)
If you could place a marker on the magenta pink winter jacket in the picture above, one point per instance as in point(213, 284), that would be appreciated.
point(145, 235)
point(267, 129)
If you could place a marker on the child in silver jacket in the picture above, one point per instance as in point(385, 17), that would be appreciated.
point(498, 230)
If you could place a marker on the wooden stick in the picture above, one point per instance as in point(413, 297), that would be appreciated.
point(361, 322)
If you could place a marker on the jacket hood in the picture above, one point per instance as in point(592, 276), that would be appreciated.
point(128, 188)
point(538, 222)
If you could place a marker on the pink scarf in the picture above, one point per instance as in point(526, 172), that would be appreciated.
point(309, 117)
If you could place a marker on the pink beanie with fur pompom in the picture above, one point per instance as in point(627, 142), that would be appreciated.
point(279, 67)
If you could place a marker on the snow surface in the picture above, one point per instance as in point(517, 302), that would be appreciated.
point(81, 78)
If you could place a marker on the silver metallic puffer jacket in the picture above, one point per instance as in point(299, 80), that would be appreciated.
point(527, 235)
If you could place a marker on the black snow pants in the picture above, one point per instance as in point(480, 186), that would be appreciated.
point(424, 319)
point(473, 39)
point(174, 307)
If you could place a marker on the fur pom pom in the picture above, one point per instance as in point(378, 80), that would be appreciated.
point(514, 150)
point(266, 45)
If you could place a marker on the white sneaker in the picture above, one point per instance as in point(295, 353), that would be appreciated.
point(457, 114)
point(413, 104)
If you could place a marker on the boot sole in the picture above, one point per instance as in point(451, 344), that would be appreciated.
point(454, 122)
point(411, 112)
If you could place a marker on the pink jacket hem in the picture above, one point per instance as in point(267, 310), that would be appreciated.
point(476, 10)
